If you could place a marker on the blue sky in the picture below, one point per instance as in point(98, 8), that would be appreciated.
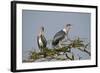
point(53, 22)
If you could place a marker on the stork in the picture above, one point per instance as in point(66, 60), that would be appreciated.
point(59, 36)
point(41, 40)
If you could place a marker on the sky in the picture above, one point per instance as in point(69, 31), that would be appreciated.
point(53, 22)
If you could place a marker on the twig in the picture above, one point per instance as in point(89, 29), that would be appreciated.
point(85, 51)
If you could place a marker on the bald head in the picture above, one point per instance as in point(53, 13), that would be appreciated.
point(42, 28)
point(68, 25)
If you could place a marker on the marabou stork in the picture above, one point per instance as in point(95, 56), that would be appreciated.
point(41, 39)
point(59, 36)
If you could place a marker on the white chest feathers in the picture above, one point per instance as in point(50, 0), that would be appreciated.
point(40, 42)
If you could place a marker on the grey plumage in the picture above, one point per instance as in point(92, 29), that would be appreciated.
point(58, 37)
point(41, 40)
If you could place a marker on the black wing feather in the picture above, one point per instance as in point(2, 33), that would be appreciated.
point(43, 41)
point(58, 36)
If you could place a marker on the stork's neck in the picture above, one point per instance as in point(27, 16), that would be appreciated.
point(65, 30)
point(41, 33)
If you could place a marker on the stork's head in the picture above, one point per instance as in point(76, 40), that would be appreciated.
point(67, 27)
point(41, 30)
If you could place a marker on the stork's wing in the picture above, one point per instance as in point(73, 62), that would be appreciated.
point(59, 35)
point(38, 41)
point(44, 40)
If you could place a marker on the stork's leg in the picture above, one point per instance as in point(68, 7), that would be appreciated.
point(66, 39)
point(60, 44)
